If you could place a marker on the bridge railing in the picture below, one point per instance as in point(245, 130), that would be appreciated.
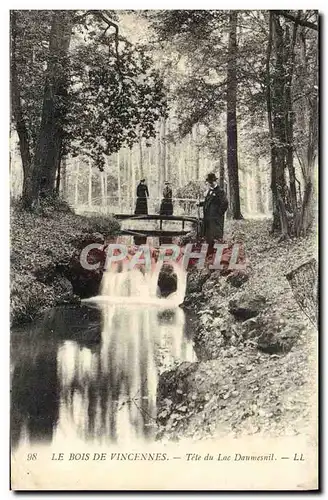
point(110, 205)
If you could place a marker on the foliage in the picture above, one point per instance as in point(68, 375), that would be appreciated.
point(32, 41)
point(109, 102)
point(117, 91)
point(191, 190)
point(200, 37)
point(194, 189)
point(52, 204)
point(110, 108)
point(108, 226)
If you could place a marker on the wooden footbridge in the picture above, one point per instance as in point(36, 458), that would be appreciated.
point(161, 232)
point(185, 209)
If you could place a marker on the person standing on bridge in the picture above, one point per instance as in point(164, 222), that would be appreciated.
point(142, 195)
point(166, 204)
point(215, 205)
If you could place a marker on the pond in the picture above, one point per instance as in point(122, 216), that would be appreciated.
point(91, 372)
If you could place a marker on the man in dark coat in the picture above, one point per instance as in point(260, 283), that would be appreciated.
point(142, 195)
point(214, 206)
point(166, 205)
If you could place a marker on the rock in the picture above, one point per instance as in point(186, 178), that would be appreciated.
point(238, 278)
point(86, 282)
point(167, 280)
point(272, 333)
point(274, 341)
point(188, 238)
point(45, 274)
point(196, 279)
point(247, 305)
point(251, 328)
point(209, 287)
point(64, 291)
point(216, 286)
point(191, 301)
point(174, 383)
point(63, 284)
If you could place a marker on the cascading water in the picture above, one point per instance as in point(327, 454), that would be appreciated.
point(112, 394)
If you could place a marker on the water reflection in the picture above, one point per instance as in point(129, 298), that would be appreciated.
point(34, 396)
point(105, 392)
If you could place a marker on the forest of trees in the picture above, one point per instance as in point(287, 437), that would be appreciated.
point(100, 99)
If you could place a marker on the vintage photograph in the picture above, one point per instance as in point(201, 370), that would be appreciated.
point(164, 187)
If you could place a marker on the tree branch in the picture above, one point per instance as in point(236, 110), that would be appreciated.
point(16, 101)
point(301, 22)
point(110, 24)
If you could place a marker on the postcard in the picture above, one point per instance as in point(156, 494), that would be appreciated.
point(164, 192)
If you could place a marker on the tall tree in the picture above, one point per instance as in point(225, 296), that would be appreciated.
point(49, 146)
point(119, 192)
point(232, 150)
point(76, 182)
point(17, 107)
point(209, 83)
point(95, 96)
point(90, 184)
point(288, 217)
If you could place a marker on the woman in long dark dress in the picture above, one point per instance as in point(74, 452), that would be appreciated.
point(167, 205)
point(142, 195)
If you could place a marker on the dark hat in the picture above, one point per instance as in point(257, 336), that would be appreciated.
point(142, 180)
point(166, 182)
point(211, 177)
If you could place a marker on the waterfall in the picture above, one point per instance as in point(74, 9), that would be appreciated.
point(134, 286)
point(110, 393)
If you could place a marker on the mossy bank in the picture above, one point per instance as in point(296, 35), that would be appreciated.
point(45, 267)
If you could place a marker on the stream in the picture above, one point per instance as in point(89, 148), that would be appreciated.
point(91, 372)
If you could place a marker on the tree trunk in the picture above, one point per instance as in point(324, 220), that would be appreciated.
point(180, 162)
point(289, 118)
point(163, 159)
point(126, 161)
point(17, 112)
point(273, 147)
point(106, 185)
point(51, 134)
point(258, 189)
point(221, 166)
point(190, 160)
point(304, 221)
point(77, 172)
point(279, 126)
point(141, 169)
point(249, 208)
point(133, 181)
point(307, 153)
point(159, 160)
point(64, 177)
point(168, 168)
point(102, 176)
point(90, 185)
point(195, 134)
point(119, 182)
point(232, 157)
point(58, 178)
point(149, 176)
